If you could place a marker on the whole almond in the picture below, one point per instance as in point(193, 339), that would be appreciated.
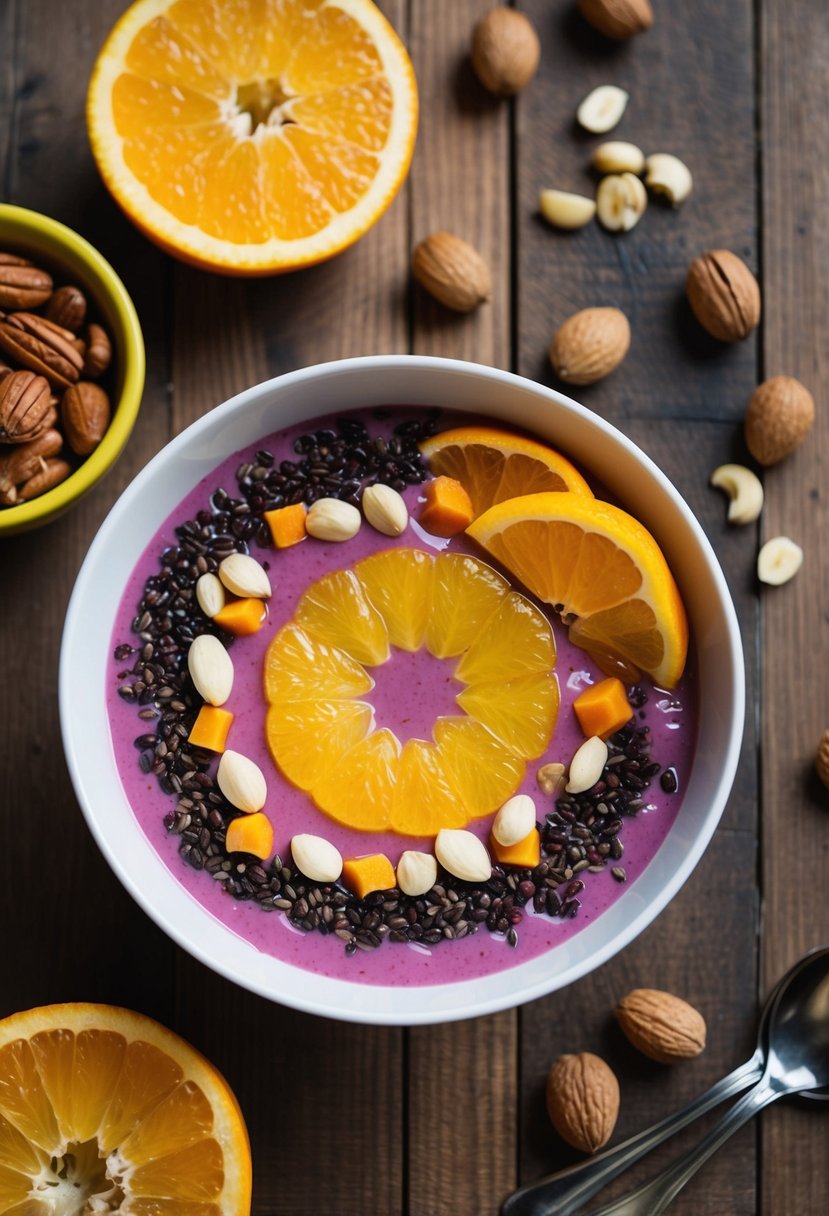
point(51, 473)
point(505, 51)
point(24, 405)
point(211, 669)
point(385, 509)
point(587, 765)
point(822, 759)
point(724, 295)
point(85, 413)
point(242, 782)
point(780, 414)
point(463, 854)
point(583, 1100)
point(452, 271)
point(243, 575)
point(210, 593)
point(589, 345)
point(98, 351)
point(515, 820)
point(332, 519)
point(316, 857)
point(23, 285)
point(617, 19)
point(417, 872)
point(67, 307)
point(662, 1026)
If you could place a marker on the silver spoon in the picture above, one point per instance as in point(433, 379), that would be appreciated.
point(567, 1190)
point(797, 1061)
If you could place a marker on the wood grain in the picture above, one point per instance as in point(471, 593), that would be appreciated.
point(795, 705)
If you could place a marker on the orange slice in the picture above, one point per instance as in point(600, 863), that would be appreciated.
point(298, 667)
point(465, 593)
point(253, 136)
point(493, 465)
point(335, 610)
point(602, 570)
point(307, 737)
point(358, 790)
point(520, 712)
point(516, 639)
point(482, 771)
point(424, 799)
point(399, 585)
point(102, 1107)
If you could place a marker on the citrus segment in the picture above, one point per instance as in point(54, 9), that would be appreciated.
point(127, 1109)
point(465, 593)
point(301, 668)
point(336, 610)
point(494, 465)
point(399, 584)
point(482, 771)
point(424, 799)
point(601, 569)
point(358, 790)
point(307, 737)
point(515, 640)
point(520, 712)
point(255, 135)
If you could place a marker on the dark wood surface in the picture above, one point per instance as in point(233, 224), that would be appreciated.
point(445, 1120)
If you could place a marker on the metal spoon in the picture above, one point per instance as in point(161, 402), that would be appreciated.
point(569, 1189)
point(797, 1061)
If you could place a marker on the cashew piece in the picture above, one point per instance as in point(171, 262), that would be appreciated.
point(778, 560)
point(666, 174)
point(745, 490)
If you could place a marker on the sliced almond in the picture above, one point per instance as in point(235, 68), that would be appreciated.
point(210, 594)
point(744, 489)
point(417, 872)
point(463, 854)
point(668, 175)
point(385, 510)
point(211, 669)
point(616, 156)
point(316, 857)
point(565, 210)
point(551, 779)
point(587, 765)
point(621, 201)
point(779, 560)
point(242, 782)
point(602, 109)
point(515, 820)
point(244, 576)
point(332, 519)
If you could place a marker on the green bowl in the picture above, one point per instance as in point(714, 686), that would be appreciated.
point(70, 258)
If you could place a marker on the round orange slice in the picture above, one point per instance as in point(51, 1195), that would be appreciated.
point(494, 465)
point(102, 1109)
point(601, 570)
point(253, 136)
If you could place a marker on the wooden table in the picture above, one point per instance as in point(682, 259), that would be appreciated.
point(433, 1121)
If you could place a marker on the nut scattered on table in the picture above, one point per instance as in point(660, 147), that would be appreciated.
point(583, 1100)
point(822, 759)
point(617, 156)
point(744, 489)
point(602, 109)
point(505, 51)
point(780, 414)
point(564, 210)
point(778, 561)
point(724, 295)
point(589, 345)
point(621, 201)
point(669, 176)
point(660, 1025)
point(617, 19)
point(452, 271)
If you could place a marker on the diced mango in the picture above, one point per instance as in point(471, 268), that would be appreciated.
point(210, 728)
point(603, 708)
point(250, 834)
point(526, 854)
point(362, 875)
point(287, 524)
point(448, 508)
point(242, 617)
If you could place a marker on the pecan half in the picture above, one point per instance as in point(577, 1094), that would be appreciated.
point(41, 346)
point(23, 285)
point(25, 400)
point(51, 474)
point(98, 351)
point(18, 464)
point(67, 307)
point(85, 411)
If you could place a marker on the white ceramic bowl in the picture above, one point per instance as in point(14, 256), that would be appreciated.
point(343, 386)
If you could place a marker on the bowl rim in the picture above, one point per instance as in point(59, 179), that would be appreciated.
point(132, 367)
point(345, 999)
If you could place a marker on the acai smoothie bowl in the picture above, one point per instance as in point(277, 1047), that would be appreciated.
point(401, 690)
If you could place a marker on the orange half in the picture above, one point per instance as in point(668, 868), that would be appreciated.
point(253, 136)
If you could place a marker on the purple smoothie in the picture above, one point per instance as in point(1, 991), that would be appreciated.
point(410, 692)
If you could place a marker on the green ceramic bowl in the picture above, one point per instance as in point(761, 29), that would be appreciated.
point(71, 259)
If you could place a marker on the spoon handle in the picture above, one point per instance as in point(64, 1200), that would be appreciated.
point(566, 1191)
point(654, 1196)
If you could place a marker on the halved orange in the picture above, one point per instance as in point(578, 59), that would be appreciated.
point(253, 136)
point(601, 570)
point(102, 1109)
point(493, 465)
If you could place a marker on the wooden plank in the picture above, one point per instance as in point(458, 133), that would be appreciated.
point(315, 1092)
point(675, 395)
point(462, 1077)
point(795, 128)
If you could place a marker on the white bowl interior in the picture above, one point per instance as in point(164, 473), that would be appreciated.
point(343, 386)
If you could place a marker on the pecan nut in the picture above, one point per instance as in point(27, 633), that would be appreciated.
point(25, 400)
point(40, 345)
point(67, 308)
point(98, 351)
point(19, 463)
point(21, 284)
point(52, 472)
point(85, 412)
